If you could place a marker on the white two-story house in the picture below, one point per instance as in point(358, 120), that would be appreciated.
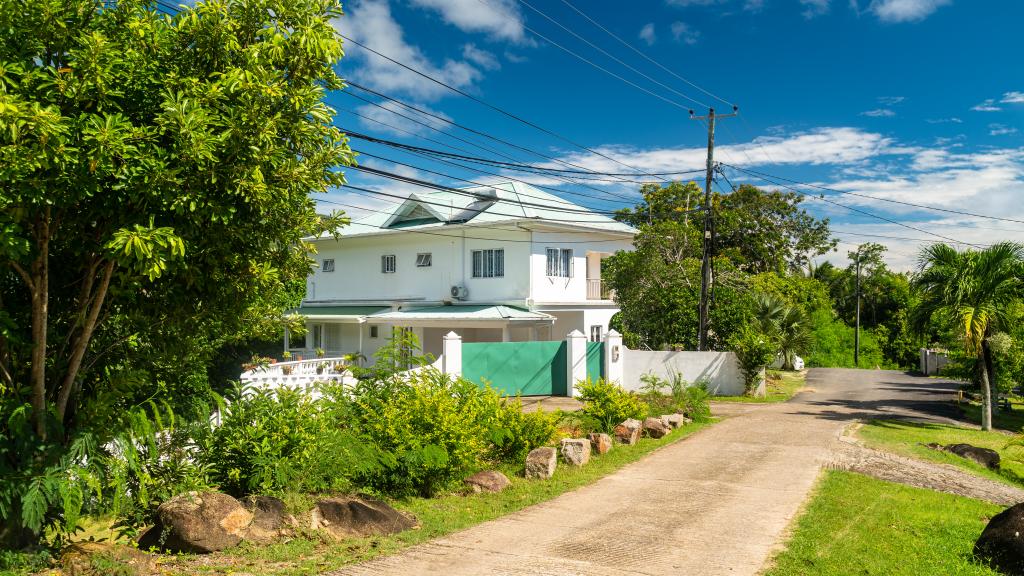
point(506, 262)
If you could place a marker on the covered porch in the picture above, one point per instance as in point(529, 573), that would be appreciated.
point(336, 330)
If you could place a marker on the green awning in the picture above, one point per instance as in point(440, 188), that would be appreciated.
point(336, 312)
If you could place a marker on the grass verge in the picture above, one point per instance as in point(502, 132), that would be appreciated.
point(779, 387)
point(858, 525)
point(1012, 420)
point(907, 438)
point(309, 554)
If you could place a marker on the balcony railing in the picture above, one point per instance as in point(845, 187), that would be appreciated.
point(597, 290)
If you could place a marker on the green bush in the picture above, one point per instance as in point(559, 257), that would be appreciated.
point(436, 429)
point(833, 344)
point(607, 405)
point(516, 433)
point(754, 351)
point(676, 395)
point(270, 442)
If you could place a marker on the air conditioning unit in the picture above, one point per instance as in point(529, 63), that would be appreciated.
point(459, 292)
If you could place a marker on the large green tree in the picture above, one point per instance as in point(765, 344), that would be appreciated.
point(974, 290)
point(155, 181)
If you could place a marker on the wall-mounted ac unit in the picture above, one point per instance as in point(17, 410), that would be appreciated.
point(459, 292)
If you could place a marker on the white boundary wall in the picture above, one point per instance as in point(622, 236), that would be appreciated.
point(719, 369)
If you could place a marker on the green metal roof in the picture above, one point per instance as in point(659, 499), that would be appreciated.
point(477, 312)
point(336, 310)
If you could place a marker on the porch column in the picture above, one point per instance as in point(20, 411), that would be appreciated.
point(287, 335)
point(614, 357)
point(505, 334)
point(359, 352)
point(534, 334)
point(575, 359)
point(451, 355)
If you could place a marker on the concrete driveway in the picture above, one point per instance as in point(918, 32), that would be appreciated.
point(715, 503)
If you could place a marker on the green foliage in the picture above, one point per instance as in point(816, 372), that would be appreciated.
point(754, 350)
point(270, 442)
point(676, 396)
point(514, 433)
point(607, 405)
point(833, 344)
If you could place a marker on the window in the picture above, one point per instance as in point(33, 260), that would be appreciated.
point(373, 332)
point(559, 262)
point(489, 263)
point(424, 260)
point(595, 332)
point(387, 264)
point(328, 265)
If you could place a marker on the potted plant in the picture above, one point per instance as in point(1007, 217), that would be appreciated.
point(320, 353)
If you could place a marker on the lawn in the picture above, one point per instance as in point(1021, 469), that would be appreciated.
point(907, 438)
point(858, 525)
point(779, 387)
point(1012, 420)
point(308, 554)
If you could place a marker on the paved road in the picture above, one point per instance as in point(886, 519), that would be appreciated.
point(715, 503)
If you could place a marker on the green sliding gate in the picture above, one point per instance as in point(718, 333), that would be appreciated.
point(595, 360)
point(527, 368)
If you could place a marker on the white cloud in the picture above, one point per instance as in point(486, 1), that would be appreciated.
point(1000, 130)
point(905, 10)
point(953, 120)
point(753, 5)
point(647, 34)
point(814, 8)
point(891, 100)
point(370, 22)
point(987, 106)
point(696, 2)
point(1013, 98)
point(684, 33)
point(383, 118)
point(500, 18)
point(481, 58)
point(879, 113)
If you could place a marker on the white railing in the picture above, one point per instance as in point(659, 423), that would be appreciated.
point(299, 373)
point(596, 290)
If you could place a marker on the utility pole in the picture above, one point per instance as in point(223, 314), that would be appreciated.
point(856, 334)
point(705, 282)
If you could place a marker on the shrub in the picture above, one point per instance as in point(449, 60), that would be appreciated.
point(676, 395)
point(754, 351)
point(516, 433)
point(275, 441)
point(434, 428)
point(607, 404)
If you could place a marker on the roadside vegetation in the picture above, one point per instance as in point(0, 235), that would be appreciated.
point(780, 386)
point(854, 524)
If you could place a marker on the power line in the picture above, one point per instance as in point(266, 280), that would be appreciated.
point(496, 108)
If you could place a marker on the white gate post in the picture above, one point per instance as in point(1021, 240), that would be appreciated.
point(451, 354)
point(614, 357)
point(575, 359)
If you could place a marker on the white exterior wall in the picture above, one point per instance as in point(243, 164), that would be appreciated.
point(574, 289)
point(720, 369)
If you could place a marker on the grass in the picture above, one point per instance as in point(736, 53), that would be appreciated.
point(858, 525)
point(906, 438)
point(1012, 420)
point(779, 387)
point(309, 554)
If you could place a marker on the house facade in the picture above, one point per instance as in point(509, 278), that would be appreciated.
point(503, 263)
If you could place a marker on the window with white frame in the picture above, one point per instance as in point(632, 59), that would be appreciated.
point(424, 260)
point(489, 263)
point(387, 264)
point(559, 262)
point(327, 265)
point(373, 332)
point(596, 331)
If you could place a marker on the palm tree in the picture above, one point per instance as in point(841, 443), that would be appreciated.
point(785, 325)
point(973, 291)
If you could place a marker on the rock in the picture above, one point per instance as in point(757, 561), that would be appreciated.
point(675, 420)
point(576, 451)
point(984, 456)
point(198, 522)
point(628, 432)
point(270, 518)
point(487, 481)
point(541, 462)
point(357, 516)
point(1001, 544)
point(600, 443)
point(77, 559)
point(655, 428)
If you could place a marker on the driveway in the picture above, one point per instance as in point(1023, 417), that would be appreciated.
point(714, 503)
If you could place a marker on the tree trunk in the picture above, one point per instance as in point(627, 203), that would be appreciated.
point(986, 390)
point(40, 298)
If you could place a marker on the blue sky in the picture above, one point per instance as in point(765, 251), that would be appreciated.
point(919, 101)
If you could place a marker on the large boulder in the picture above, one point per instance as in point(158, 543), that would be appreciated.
point(599, 442)
point(77, 559)
point(1001, 544)
point(984, 456)
point(357, 516)
point(655, 428)
point(675, 420)
point(487, 481)
point(541, 462)
point(198, 522)
point(576, 451)
point(628, 432)
point(270, 519)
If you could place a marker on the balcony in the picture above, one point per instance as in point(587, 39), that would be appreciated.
point(597, 290)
